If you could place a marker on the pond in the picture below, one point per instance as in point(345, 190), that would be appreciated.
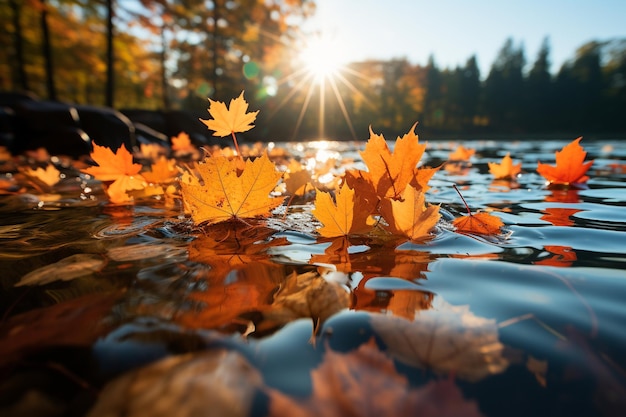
point(129, 309)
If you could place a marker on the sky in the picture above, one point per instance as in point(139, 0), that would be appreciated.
point(454, 30)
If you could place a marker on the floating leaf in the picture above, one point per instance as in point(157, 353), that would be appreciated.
point(341, 217)
point(505, 169)
point(225, 194)
point(570, 166)
point(410, 217)
point(461, 153)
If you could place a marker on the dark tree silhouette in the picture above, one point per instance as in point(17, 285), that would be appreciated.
point(47, 51)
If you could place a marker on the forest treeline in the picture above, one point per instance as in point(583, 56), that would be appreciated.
point(174, 54)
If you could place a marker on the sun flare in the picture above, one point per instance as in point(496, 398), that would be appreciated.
point(322, 57)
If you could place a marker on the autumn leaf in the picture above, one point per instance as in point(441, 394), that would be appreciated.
point(445, 339)
point(365, 382)
point(341, 217)
point(391, 172)
point(461, 153)
point(227, 121)
point(410, 217)
point(505, 169)
point(49, 176)
point(119, 168)
point(479, 223)
point(225, 194)
point(570, 166)
point(297, 182)
point(162, 171)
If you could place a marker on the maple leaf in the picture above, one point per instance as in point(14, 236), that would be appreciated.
point(410, 217)
point(162, 171)
point(505, 169)
point(297, 182)
point(391, 172)
point(49, 176)
point(112, 166)
point(570, 166)
point(478, 223)
point(227, 121)
point(119, 168)
point(461, 153)
point(225, 194)
point(340, 218)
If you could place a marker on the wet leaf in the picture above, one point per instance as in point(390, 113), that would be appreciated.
point(480, 223)
point(307, 295)
point(67, 269)
point(341, 217)
point(227, 194)
point(210, 383)
point(410, 216)
point(391, 172)
point(298, 182)
point(505, 169)
point(365, 382)
point(162, 171)
point(49, 176)
point(461, 153)
point(227, 121)
point(446, 339)
point(570, 166)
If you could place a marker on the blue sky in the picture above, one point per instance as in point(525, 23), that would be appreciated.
point(453, 30)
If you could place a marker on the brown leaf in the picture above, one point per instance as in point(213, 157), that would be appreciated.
point(446, 339)
point(209, 383)
point(365, 383)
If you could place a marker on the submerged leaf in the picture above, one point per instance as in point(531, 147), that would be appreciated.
point(67, 269)
point(446, 339)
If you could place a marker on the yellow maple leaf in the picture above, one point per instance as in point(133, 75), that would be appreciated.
point(162, 171)
point(505, 169)
point(228, 193)
point(391, 172)
point(410, 216)
point(461, 153)
point(227, 121)
point(49, 176)
point(341, 217)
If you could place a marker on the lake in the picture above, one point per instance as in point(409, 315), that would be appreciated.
point(129, 309)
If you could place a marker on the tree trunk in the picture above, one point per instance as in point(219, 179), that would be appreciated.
point(164, 83)
point(110, 84)
point(22, 80)
point(47, 52)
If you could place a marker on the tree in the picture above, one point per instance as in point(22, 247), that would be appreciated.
point(540, 96)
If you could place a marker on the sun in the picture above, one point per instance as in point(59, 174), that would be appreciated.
point(322, 58)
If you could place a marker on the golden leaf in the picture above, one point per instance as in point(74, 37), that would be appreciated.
point(340, 218)
point(227, 121)
point(505, 169)
point(410, 217)
point(225, 194)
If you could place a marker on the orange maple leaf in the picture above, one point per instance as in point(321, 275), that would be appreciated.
point(182, 143)
point(391, 172)
point(162, 171)
point(461, 153)
point(227, 121)
point(410, 217)
point(340, 218)
point(111, 165)
point(505, 169)
point(119, 168)
point(480, 223)
point(227, 194)
point(570, 166)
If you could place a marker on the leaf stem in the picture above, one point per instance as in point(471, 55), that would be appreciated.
point(464, 202)
point(236, 146)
